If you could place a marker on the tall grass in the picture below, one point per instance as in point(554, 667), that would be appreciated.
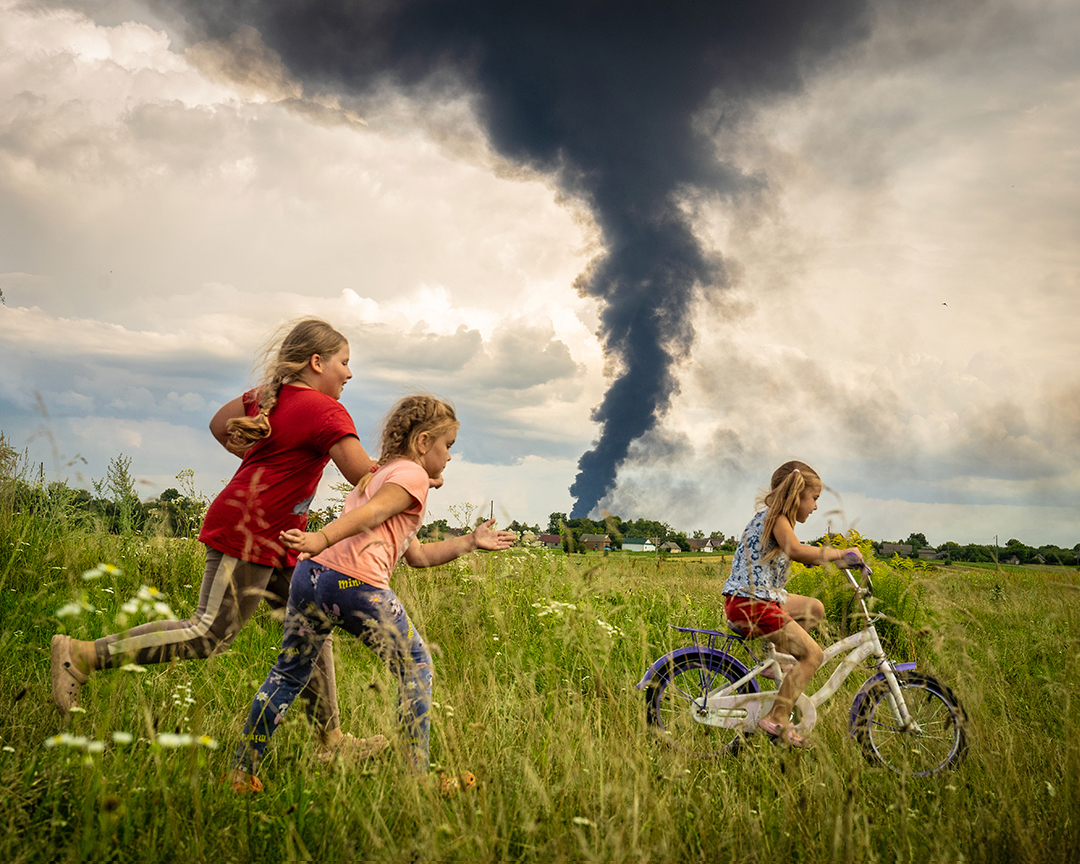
point(536, 696)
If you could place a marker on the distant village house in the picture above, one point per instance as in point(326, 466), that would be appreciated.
point(596, 542)
point(551, 541)
point(709, 544)
point(639, 544)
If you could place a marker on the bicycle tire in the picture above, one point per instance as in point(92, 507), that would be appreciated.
point(941, 741)
point(672, 694)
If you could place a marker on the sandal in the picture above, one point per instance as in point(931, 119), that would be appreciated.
point(249, 784)
point(351, 747)
point(67, 680)
point(449, 786)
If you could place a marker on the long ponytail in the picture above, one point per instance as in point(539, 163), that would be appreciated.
point(283, 361)
point(789, 481)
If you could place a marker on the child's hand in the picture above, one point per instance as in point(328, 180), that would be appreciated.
point(304, 542)
point(435, 482)
point(493, 541)
point(850, 559)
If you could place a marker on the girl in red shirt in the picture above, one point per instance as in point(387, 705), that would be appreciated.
point(285, 431)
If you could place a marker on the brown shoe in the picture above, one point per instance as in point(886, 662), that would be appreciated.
point(353, 748)
point(67, 680)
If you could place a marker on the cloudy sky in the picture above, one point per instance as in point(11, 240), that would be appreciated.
point(880, 226)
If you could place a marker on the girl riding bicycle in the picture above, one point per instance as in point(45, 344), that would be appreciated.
point(756, 603)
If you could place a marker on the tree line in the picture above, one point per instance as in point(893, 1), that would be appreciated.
point(115, 507)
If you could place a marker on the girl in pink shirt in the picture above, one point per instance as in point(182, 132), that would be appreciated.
point(344, 581)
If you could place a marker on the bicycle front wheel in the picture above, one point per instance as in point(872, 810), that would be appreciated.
point(680, 690)
point(936, 738)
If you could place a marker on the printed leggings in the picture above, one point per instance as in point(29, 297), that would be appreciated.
point(319, 600)
point(230, 593)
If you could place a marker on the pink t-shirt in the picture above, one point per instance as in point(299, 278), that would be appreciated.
point(371, 557)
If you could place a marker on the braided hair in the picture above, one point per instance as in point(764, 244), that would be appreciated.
point(789, 481)
point(284, 359)
point(410, 418)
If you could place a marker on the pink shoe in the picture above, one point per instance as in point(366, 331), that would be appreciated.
point(784, 734)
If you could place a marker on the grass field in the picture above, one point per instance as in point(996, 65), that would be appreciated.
point(538, 700)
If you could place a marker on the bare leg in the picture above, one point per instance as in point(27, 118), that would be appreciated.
point(794, 640)
point(808, 611)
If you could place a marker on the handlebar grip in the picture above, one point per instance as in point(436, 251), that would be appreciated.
point(866, 571)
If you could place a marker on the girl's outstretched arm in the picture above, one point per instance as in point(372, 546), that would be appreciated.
point(785, 538)
point(390, 500)
point(482, 537)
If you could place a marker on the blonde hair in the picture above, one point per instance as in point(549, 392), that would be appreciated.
point(410, 418)
point(789, 481)
point(284, 359)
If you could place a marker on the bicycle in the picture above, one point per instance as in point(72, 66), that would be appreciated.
point(705, 700)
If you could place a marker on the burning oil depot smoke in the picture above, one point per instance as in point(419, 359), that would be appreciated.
point(603, 95)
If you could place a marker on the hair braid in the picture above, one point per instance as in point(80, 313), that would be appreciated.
point(410, 418)
point(284, 359)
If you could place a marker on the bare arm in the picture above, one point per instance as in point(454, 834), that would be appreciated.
point(789, 544)
point(219, 423)
point(390, 500)
point(482, 537)
point(351, 459)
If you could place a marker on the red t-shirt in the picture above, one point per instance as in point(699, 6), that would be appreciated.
point(273, 488)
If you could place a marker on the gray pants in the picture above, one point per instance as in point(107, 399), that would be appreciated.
point(231, 589)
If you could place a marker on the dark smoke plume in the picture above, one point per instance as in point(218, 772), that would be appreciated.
point(601, 92)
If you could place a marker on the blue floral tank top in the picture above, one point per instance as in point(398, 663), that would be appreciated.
point(750, 576)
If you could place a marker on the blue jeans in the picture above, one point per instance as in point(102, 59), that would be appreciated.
point(319, 600)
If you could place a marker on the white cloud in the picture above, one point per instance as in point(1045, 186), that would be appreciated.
point(164, 211)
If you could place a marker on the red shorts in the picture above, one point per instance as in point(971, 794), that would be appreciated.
point(755, 617)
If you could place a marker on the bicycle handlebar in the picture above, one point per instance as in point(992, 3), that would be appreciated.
point(866, 571)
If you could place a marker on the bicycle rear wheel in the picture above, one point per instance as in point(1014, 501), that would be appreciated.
point(935, 741)
point(679, 690)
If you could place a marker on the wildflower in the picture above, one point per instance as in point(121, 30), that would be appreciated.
point(132, 667)
point(554, 608)
point(101, 570)
point(66, 739)
point(76, 607)
point(7, 749)
point(172, 742)
point(75, 709)
point(120, 737)
point(95, 747)
point(610, 629)
point(581, 820)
